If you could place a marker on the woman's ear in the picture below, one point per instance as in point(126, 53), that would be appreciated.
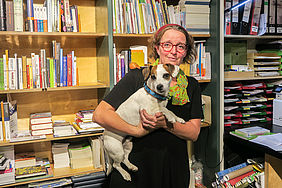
point(157, 47)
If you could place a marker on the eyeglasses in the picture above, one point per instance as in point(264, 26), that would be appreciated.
point(167, 46)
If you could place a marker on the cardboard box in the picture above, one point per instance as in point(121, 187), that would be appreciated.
point(237, 74)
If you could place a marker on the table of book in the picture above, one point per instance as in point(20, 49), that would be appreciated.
point(273, 161)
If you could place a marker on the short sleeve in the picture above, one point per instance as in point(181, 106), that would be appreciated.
point(129, 84)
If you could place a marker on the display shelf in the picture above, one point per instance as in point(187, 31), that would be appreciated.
point(253, 78)
point(50, 138)
point(59, 173)
point(195, 35)
point(253, 37)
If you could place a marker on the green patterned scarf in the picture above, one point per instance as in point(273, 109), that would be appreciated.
point(178, 92)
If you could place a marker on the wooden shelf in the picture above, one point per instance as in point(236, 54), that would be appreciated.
point(150, 35)
point(204, 81)
point(88, 86)
point(59, 173)
point(49, 138)
point(253, 37)
point(253, 78)
point(55, 34)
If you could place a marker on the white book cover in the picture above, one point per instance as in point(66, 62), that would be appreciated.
point(74, 19)
point(48, 5)
point(18, 15)
point(37, 69)
point(12, 83)
point(1, 132)
point(20, 73)
point(16, 71)
point(67, 15)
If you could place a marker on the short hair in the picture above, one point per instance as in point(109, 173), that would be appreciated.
point(155, 41)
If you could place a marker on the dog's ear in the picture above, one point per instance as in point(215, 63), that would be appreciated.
point(173, 69)
point(146, 72)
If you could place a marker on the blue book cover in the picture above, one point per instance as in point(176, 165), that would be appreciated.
point(222, 173)
point(65, 71)
point(61, 67)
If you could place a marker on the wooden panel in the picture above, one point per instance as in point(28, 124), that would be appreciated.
point(41, 149)
point(273, 172)
point(62, 104)
point(86, 9)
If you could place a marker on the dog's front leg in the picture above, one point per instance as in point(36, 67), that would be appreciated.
point(170, 116)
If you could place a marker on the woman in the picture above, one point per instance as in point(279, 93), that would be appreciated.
point(159, 152)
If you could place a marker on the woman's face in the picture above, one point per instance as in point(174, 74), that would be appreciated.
point(175, 56)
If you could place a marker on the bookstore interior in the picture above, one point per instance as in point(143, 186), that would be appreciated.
point(61, 57)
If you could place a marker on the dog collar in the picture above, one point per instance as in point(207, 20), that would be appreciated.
point(154, 94)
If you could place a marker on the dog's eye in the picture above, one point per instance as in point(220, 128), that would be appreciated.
point(166, 76)
point(153, 77)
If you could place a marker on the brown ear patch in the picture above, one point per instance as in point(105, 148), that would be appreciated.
point(169, 68)
point(146, 72)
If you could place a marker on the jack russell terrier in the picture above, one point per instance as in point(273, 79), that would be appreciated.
point(153, 97)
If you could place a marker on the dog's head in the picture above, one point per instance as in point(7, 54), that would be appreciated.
point(159, 77)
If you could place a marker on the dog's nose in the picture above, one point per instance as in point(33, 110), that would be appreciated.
point(160, 87)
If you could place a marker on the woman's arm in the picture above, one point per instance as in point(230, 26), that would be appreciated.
point(189, 130)
point(106, 116)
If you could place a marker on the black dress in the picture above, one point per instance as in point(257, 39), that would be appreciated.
point(161, 157)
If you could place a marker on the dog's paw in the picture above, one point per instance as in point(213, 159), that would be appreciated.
point(133, 168)
point(126, 176)
point(180, 120)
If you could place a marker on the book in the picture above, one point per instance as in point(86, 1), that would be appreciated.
point(251, 131)
point(10, 15)
point(219, 175)
point(42, 126)
point(49, 173)
point(30, 171)
point(41, 132)
point(25, 160)
point(2, 15)
point(18, 15)
point(88, 177)
point(43, 117)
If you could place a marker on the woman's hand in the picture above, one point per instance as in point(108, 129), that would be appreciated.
point(152, 122)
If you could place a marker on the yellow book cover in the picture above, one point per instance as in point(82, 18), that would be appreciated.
point(24, 72)
point(30, 80)
point(141, 18)
point(137, 56)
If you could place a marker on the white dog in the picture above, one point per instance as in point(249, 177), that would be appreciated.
point(153, 98)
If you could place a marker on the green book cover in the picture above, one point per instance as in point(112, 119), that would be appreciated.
point(245, 137)
point(51, 72)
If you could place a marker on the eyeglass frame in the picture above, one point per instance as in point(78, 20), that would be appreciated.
point(162, 43)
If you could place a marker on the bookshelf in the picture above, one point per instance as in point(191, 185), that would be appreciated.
point(92, 48)
point(231, 148)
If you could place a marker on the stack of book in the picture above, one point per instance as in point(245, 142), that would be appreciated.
point(25, 160)
point(248, 104)
point(249, 133)
point(84, 124)
point(198, 16)
point(60, 155)
point(63, 129)
point(97, 151)
point(41, 123)
point(40, 170)
point(239, 175)
point(265, 64)
point(94, 179)
point(51, 183)
point(80, 156)
point(7, 165)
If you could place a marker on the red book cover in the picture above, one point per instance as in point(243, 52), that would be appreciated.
point(69, 68)
point(40, 72)
point(27, 77)
point(237, 179)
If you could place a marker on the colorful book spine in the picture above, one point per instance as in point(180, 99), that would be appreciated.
point(30, 15)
